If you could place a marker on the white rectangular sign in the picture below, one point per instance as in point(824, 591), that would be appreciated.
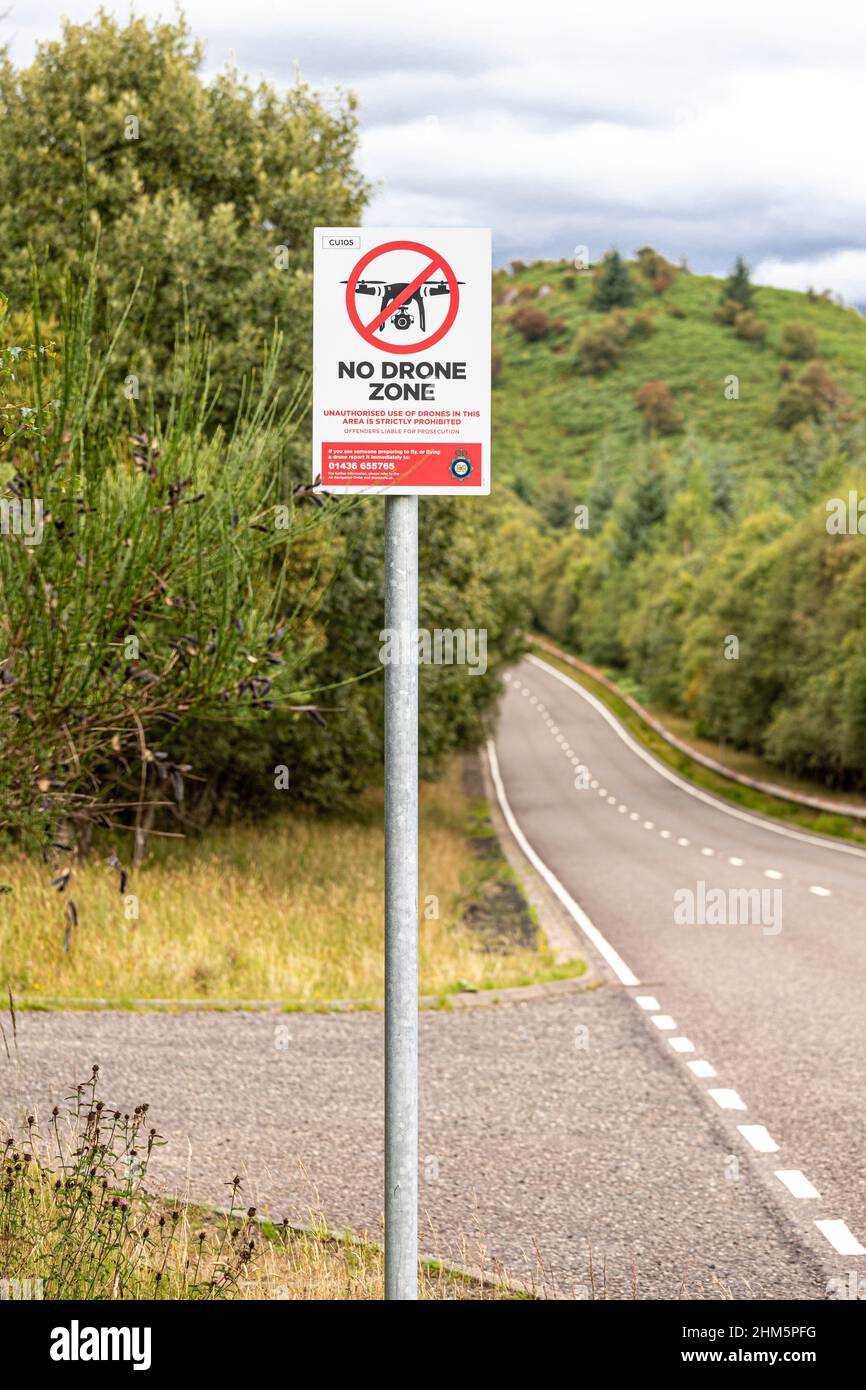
point(401, 360)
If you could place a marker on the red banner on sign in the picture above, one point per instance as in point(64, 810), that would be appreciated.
point(422, 465)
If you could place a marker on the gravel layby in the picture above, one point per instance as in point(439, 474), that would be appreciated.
point(557, 1139)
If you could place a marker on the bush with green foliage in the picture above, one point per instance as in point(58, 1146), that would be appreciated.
point(749, 327)
point(600, 345)
point(642, 326)
point(810, 396)
point(727, 311)
point(660, 411)
point(149, 592)
point(799, 341)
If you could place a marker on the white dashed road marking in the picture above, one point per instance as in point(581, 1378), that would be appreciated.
point(840, 1237)
point(681, 1044)
point(759, 1138)
point(728, 1100)
point(663, 1021)
point(797, 1183)
point(819, 891)
point(702, 1068)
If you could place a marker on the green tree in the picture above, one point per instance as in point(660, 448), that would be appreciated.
point(613, 285)
point(207, 191)
point(738, 287)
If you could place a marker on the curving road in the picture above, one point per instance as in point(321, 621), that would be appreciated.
point(766, 1013)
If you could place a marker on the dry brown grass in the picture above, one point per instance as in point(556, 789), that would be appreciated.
point(290, 911)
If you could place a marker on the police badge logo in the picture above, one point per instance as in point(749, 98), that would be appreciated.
point(460, 466)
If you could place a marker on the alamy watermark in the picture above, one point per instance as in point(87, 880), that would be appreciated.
point(22, 517)
point(458, 646)
point(846, 516)
point(729, 907)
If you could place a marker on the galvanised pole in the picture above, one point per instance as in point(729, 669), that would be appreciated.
point(401, 899)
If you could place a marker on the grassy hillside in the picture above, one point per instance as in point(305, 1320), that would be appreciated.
point(682, 530)
point(551, 417)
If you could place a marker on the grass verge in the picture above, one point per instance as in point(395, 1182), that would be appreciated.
point(289, 911)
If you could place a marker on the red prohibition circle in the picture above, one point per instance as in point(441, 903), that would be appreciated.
point(437, 263)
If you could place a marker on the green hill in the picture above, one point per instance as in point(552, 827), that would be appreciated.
point(687, 541)
point(550, 416)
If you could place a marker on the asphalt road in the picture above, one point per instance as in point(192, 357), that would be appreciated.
point(776, 1006)
point(564, 1139)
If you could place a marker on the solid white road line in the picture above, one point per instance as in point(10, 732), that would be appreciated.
point(840, 1237)
point(797, 1183)
point(623, 973)
point(677, 781)
point(759, 1138)
point(728, 1100)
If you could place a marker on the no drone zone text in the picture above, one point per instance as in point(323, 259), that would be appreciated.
point(415, 378)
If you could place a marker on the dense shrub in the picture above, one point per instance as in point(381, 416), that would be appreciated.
point(811, 396)
point(655, 269)
point(530, 323)
point(749, 327)
point(658, 408)
point(799, 341)
point(643, 325)
point(726, 311)
point(601, 345)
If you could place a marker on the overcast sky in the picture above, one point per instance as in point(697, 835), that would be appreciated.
point(705, 129)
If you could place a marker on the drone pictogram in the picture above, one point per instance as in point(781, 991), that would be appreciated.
point(402, 319)
point(402, 304)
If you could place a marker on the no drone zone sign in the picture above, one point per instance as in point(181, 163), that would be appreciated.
point(401, 360)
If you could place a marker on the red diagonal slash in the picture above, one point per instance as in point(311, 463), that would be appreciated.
point(404, 295)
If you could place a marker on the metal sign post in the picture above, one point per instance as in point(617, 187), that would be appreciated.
point(401, 900)
point(401, 408)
